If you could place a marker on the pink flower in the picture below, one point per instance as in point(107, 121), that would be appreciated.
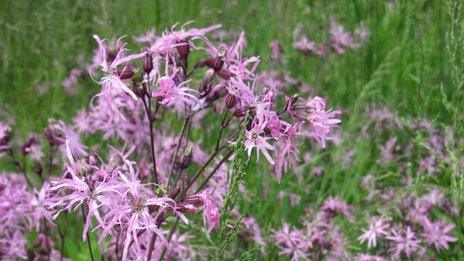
point(211, 215)
point(5, 132)
point(377, 228)
point(438, 234)
point(110, 66)
point(387, 151)
point(340, 39)
point(405, 242)
point(172, 95)
point(321, 121)
point(252, 227)
point(254, 139)
point(293, 243)
point(168, 42)
point(276, 50)
point(60, 134)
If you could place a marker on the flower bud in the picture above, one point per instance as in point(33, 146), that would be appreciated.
point(225, 74)
point(147, 63)
point(186, 159)
point(238, 113)
point(231, 101)
point(183, 48)
point(27, 146)
point(127, 72)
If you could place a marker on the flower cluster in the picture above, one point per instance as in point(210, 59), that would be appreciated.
point(140, 187)
point(340, 40)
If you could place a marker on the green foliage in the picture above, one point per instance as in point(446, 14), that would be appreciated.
point(236, 175)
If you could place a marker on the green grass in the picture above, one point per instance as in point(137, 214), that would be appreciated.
point(404, 66)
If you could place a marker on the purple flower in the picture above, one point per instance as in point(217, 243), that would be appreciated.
point(109, 66)
point(254, 139)
point(405, 242)
point(377, 228)
point(172, 95)
point(340, 39)
point(276, 50)
point(387, 151)
point(31, 147)
point(293, 243)
point(5, 132)
point(438, 234)
point(321, 122)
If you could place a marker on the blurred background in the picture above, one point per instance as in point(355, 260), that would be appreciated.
point(41, 41)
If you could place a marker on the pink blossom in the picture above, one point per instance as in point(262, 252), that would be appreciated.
point(405, 242)
point(321, 121)
point(292, 243)
point(377, 228)
point(276, 50)
point(438, 234)
point(254, 139)
point(172, 95)
point(340, 39)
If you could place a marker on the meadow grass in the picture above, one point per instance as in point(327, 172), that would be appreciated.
point(407, 65)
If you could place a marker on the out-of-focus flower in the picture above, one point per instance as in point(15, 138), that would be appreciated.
point(340, 39)
point(276, 50)
point(437, 233)
point(405, 242)
point(377, 228)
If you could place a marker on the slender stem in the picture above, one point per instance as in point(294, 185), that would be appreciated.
point(84, 217)
point(62, 237)
point(226, 157)
point(184, 125)
point(223, 126)
point(171, 232)
point(215, 153)
point(151, 245)
point(151, 119)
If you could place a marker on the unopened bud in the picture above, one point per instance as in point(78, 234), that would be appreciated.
point(225, 74)
point(28, 144)
point(127, 72)
point(231, 101)
point(147, 63)
point(186, 159)
point(238, 113)
point(183, 48)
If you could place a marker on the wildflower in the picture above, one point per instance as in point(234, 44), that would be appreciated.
point(405, 242)
point(254, 139)
point(335, 206)
point(321, 121)
point(276, 50)
point(172, 95)
point(60, 134)
point(340, 39)
point(293, 243)
point(437, 234)
point(109, 66)
point(32, 147)
point(252, 227)
point(386, 151)
point(377, 228)
point(5, 132)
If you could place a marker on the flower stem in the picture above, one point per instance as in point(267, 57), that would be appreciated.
point(84, 217)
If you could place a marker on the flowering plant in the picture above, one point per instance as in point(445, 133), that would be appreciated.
point(135, 189)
